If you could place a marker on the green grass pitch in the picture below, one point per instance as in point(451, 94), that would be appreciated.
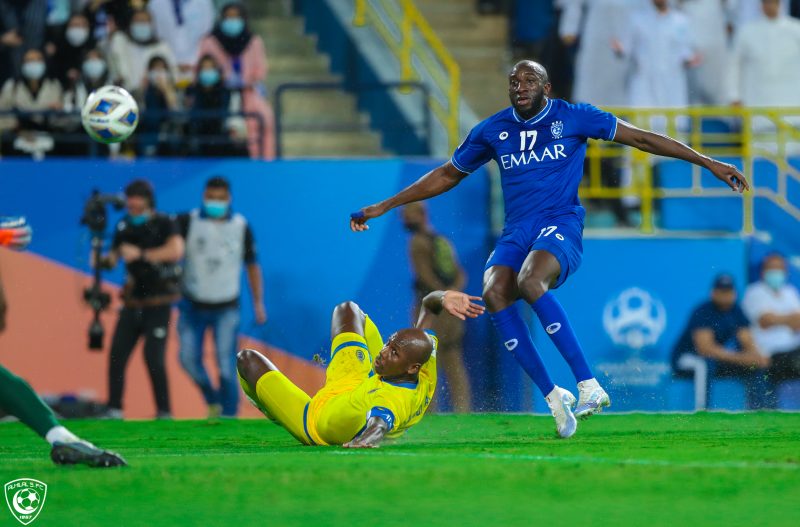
point(484, 470)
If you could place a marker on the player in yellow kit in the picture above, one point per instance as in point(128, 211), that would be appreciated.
point(372, 390)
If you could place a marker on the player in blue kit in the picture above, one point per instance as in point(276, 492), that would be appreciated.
point(540, 145)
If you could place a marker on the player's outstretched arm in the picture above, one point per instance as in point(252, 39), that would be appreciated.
point(459, 305)
point(661, 145)
point(437, 181)
point(372, 435)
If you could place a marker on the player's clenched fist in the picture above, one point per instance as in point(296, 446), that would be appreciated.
point(358, 220)
point(15, 233)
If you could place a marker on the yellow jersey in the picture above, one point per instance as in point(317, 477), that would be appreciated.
point(353, 393)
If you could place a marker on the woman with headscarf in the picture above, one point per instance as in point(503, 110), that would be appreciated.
point(32, 91)
point(131, 51)
point(70, 47)
point(244, 65)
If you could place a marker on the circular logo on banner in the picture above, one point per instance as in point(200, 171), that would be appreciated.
point(635, 319)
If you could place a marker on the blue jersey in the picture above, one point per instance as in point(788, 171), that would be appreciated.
point(541, 159)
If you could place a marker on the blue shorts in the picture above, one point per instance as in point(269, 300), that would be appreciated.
point(561, 236)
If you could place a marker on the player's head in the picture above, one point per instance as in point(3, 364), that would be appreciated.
point(771, 8)
point(139, 197)
point(528, 85)
point(723, 292)
point(774, 270)
point(217, 197)
point(415, 216)
point(404, 353)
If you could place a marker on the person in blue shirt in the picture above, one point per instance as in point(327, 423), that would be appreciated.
point(539, 144)
point(717, 342)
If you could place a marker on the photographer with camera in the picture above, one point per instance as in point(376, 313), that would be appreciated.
point(151, 246)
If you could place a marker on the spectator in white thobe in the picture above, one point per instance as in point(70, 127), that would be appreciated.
point(743, 12)
point(600, 73)
point(765, 72)
point(708, 33)
point(182, 24)
point(765, 64)
point(659, 46)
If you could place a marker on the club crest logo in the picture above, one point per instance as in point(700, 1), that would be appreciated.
point(503, 136)
point(556, 129)
point(25, 498)
point(635, 319)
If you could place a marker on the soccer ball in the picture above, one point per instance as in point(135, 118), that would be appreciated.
point(28, 500)
point(110, 114)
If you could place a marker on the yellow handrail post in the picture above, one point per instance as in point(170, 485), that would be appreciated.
point(454, 98)
point(406, 42)
point(748, 169)
point(360, 15)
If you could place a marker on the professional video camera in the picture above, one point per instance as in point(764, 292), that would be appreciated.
point(95, 217)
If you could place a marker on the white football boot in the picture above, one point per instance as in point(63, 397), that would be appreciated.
point(592, 398)
point(561, 402)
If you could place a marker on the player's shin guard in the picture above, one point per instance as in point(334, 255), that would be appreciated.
point(18, 399)
point(555, 322)
point(517, 339)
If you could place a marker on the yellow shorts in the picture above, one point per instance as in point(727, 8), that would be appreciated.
point(283, 402)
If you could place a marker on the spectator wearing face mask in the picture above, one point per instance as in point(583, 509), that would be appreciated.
point(32, 91)
point(93, 75)
point(22, 27)
point(158, 98)
point(69, 49)
point(209, 135)
point(131, 51)
point(244, 65)
point(773, 306)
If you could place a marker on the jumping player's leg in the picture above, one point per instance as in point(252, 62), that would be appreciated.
point(539, 272)
point(500, 293)
point(555, 254)
point(280, 399)
point(17, 398)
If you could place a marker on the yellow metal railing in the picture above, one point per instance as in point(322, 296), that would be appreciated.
point(420, 54)
point(767, 134)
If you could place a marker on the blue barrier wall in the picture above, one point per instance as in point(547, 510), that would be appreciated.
point(299, 212)
point(628, 302)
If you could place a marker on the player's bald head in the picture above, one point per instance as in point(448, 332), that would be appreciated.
point(416, 343)
point(531, 65)
point(404, 354)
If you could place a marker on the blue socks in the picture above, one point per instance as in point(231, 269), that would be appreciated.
point(517, 339)
point(555, 322)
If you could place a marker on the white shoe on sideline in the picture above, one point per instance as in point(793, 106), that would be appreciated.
point(560, 402)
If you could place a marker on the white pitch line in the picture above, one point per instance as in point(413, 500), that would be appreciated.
point(580, 459)
point(766, 465)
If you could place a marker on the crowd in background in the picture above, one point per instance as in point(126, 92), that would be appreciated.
point(663, 53)
point(197, 74)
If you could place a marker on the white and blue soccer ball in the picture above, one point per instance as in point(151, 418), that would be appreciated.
point(110, 114)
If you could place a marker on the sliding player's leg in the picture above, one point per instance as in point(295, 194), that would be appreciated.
point(354, 340)
point(272, 392)
point(17, 398)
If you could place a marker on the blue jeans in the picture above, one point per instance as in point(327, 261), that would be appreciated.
point(224, 324)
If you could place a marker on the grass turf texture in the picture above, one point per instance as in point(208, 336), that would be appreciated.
point(483, 470)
